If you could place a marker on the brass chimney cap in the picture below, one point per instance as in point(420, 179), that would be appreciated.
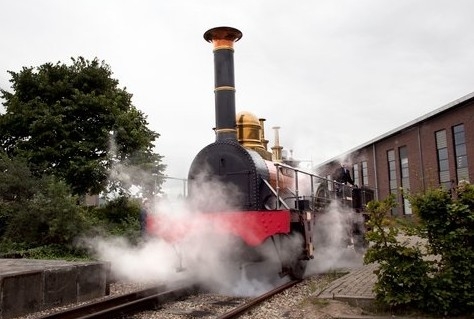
point(222, 33)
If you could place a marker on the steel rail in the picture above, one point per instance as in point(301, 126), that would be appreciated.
point(236, 312)
point(124, 304)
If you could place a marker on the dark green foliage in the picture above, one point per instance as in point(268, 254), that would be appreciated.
point(74, 122)
point(16, 180)
point(119, 217)
point(16, 186)
point(50, 216)
point(437, 274)
point(394, 259)
point(52, 251)
point(69, 130)
point(119, 209)
point(39, 218)
point(449, 227)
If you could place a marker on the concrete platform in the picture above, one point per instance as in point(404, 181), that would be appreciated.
point(30, 285)
point(356, 287)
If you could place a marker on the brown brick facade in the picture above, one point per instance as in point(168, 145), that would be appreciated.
point(419, 139)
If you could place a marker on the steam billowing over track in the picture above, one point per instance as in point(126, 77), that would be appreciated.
point(263, 206)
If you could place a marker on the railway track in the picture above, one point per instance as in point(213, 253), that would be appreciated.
point(235, 313)
point(151, 299)
point(116, 307)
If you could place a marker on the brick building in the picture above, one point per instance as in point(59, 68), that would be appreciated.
point(434, 150)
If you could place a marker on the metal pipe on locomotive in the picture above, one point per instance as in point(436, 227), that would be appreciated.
point(273, 201)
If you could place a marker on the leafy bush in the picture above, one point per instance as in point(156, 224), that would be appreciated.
point(39, 216)
point(436, 274)
point(48, 225)
point(448, 223)
point(64, 252)
point(50, 216)
point(119, 217)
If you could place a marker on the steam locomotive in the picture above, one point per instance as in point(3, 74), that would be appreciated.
point(269, 201)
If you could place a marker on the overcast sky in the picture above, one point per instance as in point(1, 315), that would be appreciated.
point(332, 74)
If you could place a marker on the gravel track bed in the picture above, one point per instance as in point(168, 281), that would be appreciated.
point(299, 301)
point(203, 306)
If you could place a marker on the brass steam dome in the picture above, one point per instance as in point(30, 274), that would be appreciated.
point(250, 133)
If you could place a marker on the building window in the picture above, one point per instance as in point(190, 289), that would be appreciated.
point(392, 176)
point(443, 162)
point(405, 177)
point(365, 174)
point(460, 152)
point(355, 173)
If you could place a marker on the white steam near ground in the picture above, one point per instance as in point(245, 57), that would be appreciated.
point(333, 244)
point(207, 257)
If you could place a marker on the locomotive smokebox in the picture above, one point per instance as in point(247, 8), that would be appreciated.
point(223, 39)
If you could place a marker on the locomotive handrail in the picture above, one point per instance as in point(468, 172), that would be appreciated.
point(279, 199)
point(277, 185)
point(345, 189)
point(296, 171)
point(296, 191)
point(312, 175)
point(299, 170)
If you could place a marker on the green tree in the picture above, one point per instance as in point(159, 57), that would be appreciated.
point(64, 119)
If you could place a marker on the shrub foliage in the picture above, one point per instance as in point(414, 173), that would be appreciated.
point(434, 270)
point(40, 218)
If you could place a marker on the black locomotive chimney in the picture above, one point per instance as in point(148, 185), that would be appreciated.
point(223, 39)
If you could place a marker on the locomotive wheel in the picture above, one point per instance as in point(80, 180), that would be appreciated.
point(298, 269)
point(295, 263)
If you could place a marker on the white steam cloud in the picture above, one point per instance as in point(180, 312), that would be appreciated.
point(194, 249)
point(202, 253)
point(210, 257)
point(334, 249)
